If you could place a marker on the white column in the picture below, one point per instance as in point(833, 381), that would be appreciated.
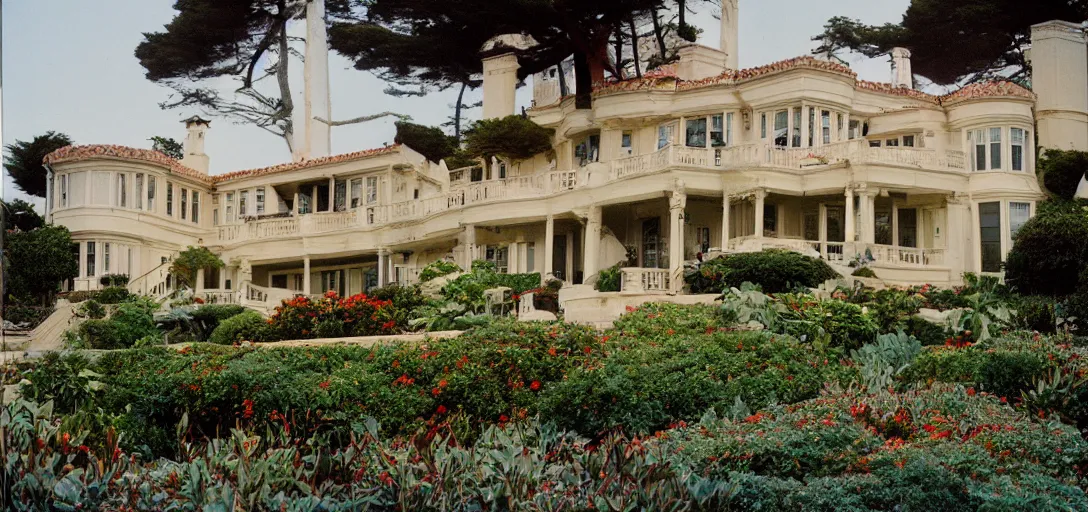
point(382, 264)
point(470, 246)
point(306, 275)
point(549, 247)
point(725, 221)
point(760, 195)
point(569, 267)
point(332, 194)
point(850, 218)
point(592, 247)
point(294, 205)
point(316, 96)
point(895, 224)
point(512, 258)
point(199, 288)
point(677, 204)
point(956, 236)
point(868, 217)
point(823, 230)
point(806, 126)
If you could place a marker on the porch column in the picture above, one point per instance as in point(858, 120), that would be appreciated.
point(823, 230)
point(868, 216)
point(957, 222)
point(294, 205)
point(383, 262)
point(592, 246)
point(569, 268)
point(895, 224)
point(677, 203)
point(512, 258)
point(306, 275)
point(470, 246)
point(549, 247)
point(760, 195)
point(725, 222)
point(851, 235)
point(199, 287)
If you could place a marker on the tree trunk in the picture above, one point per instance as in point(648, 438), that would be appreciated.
point(618, 48)
point(583, 81)
point(682, 20)
point(564, 88)
point(660, 34)
point(288, 107)
point(634, 46)
point(457, 113)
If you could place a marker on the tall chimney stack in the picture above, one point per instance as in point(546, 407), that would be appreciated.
point(902, 77)
point(1059, 62)
point(730, 41)
point(316, 135)
point(500, 63)
point(194, 156)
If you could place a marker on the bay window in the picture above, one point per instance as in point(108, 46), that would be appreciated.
point(988, 148)
point(825, 126)
point(90, 259)
point(1019, 213)
point(106, 258)
point(122, 189)
point(990, 236)
point(695, 134)
point(356, 192)
point(1017, 140)
point(995, 148)
point(151, 192)
point(719, 126)
point(243, 196)
point(811, 126)
point(260, 200)
point(781, 128)
point(169, 199)
point(796, 128)
point(717, 131)
point(665, 134)
point(763, 126)
point(372, 190)
point(195, 217)
point(230, 208)
point(184, 203)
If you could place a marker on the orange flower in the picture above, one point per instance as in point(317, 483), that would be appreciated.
point(552, 352)
point(535, 385)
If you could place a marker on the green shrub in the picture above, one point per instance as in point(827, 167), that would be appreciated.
point(774, 270)
point(437, 269)
point(864, 272)
point(609, 279)
point(1036, 313)
point(92, 309)
point(1004, 367)
point(928, 333)
point(405, 300)
point(1049, 254)
point(62, 378)
point(246, 326)
point(113, 280)
point(206, 318)
point(843, 324)
point(1062, 171)
point(102, 335)
point(112, 295)
point(468, 289)
point(332, 316)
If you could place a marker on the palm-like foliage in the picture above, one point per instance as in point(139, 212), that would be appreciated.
point(24, 161)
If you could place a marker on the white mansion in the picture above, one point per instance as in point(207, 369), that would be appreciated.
point(698, 158)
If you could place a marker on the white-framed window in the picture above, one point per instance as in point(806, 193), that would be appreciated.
point(782, 128)
point(339, 195)
point(908, 141)
point(170, 199)
point(825, 126)
point(841, 131)
point(242, 197)
point(371, 189)
point(729, 129)
point(215, 216)
point(811, 126)
point(64, 191)
point(1016, 139)
point(1019, 213)
point(139, 191)
point(184, 203)
point(717, 131)
point(195, 217)
point(891, 143)
point(796, 139)
point(854, 129)
point(229, 211)
point(90, 259)
point(122, 190)
point(626, 144)
point(665, 134)
point(356, 192)
point(763, 126)
point(995, 148)
point(151, 192)
point(106, 258)
point(259, 195)
point(695, 133)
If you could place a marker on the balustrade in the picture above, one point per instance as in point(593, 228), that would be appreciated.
point(644, 280)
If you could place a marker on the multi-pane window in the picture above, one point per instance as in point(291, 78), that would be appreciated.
point(854, 129)
point(230, 208)
point(891, 143)
point(908, 141)
point(781, 128)
point(729, 129)
point(371, 189)
point(695, 135)
point(151, 192)
point(825, 126)
point(196, 207)
point(1017, 140)
point(259, 194)
point(796, 128)
point(995, 148)
point(664, 135)
point(340, 195)
point(106, 258)
point(811, 127)
point(90, 259)
point(64, 191)
point(626, 144)
point(1019, 213)
point(184, 203)
point(122, 189)
point(717, 131)
point(763, 126)
point(169, 199)
point(139, 191)
point(977, 140)
point(215, 216)
point(356, 192)
point(990, 236)
point(242, 197)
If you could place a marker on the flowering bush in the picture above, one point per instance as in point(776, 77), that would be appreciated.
point(333, 316)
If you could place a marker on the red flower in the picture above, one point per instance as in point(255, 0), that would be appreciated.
point(441, 409)
point(970, 391)
point(535, 385)
point(325, 384)
point(385, 478)
point(587, 350)
point(248, 404)
point(552, 352)
point(929, 428)
point(442, 383)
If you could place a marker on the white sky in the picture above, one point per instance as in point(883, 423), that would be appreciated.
point(69, 66)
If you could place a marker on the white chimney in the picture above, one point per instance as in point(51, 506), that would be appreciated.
point(902, 77)
point(1059, 77)
point(730, 41)
point(194, 157)
point(501, 66)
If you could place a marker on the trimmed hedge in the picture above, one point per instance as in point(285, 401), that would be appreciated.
point(774, 270)
point(246, 326)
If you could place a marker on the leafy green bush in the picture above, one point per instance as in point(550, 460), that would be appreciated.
point(608, 280)
point(206, 318)
point(513, 138)
point(864, 272)
point(841, 323)
point(1004, 367)
point(130, 321)
point(774, 270)
point(92, 309)
point(928, 333)
point(333, 316)
point(468, 289)
point(404, 299)
point(246, 326)
point(1049, 254)
point(1062, 171)
point(437, 269)
point(112, 295)
point(1036, 313)
point(113, 280)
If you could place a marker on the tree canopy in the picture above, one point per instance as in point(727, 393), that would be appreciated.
point(24, 161)
point(1062, 171)
point(38, 261)
point(189, 261)
point(512, 137)
point(951, 42)
point(168, 147)
point(19, 214)
point(429, 141)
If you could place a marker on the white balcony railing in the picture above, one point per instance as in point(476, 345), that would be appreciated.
point(907, 256)
point(644, 280)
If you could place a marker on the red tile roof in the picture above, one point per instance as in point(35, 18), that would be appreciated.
point(305, 164)
point(665, 79)
point(103, 151)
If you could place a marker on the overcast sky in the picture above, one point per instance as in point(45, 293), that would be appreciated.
point(68, 66)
